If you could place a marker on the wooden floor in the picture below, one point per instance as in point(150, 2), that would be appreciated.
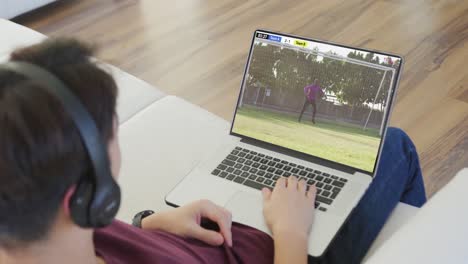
point(197, 50)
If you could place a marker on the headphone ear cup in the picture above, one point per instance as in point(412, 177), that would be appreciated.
point(80, 203)
point(105, 204)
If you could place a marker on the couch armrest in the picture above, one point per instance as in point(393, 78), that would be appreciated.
point(16, 36)
point(13, 8)
point(134, 94)
point(438, 233)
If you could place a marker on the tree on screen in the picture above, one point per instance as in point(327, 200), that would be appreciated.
point(286, 72)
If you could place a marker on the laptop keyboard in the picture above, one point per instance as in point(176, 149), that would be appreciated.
point(258, 170)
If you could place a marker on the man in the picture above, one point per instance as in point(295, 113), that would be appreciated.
point(312, 93)
point(42, 158)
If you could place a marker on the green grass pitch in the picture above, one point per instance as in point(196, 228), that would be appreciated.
point(341, 143)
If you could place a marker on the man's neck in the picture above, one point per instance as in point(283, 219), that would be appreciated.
point(74, 246)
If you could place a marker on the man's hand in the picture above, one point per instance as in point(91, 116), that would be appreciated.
point(185, 221)
point(289, 214)
point(289, 208)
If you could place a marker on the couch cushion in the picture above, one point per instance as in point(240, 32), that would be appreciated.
point(160, 145)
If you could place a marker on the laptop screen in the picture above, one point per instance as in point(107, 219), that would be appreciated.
point(325, 100)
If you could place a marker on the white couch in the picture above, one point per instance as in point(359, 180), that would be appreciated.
point(163, 137)
point(13, 8)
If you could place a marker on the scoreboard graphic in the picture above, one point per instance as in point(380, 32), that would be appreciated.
point(282, 39)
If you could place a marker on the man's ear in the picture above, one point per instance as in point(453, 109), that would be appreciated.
point(66, 200)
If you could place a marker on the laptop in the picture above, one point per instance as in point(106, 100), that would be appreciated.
point(309, 108)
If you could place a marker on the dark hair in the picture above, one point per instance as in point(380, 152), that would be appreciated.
point(41, 153)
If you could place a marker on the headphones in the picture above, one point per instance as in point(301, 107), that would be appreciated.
point(96, 199)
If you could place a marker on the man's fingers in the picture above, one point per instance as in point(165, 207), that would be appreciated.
point(281, 183)
point(218, 215)
point(312, 192)
point(226, 230)
point(302, 186)
point(227, 212)
point(208, 236)
point(292, 182)
point(266, 193)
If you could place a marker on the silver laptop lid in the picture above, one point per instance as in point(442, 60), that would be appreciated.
point(288, 78)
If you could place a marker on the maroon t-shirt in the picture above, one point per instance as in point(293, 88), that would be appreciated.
point(121, 243)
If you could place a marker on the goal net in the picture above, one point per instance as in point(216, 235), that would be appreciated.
point(356, 86)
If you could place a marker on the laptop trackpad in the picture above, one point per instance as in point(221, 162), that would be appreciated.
point(247, 209)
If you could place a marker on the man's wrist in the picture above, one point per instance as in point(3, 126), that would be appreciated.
point(290, 246)
point(290, 235)
point(145, 223)
point(154, 222)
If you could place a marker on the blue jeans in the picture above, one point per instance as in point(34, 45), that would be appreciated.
point(398, 179)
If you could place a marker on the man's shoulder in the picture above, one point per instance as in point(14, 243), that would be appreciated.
point(116, 227)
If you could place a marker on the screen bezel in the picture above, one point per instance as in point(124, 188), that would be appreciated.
point(299, 154)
